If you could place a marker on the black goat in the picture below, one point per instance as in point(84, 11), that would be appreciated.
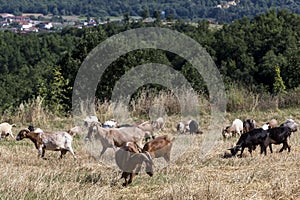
point(194, 127)
point(250, 139)
point(278, 135)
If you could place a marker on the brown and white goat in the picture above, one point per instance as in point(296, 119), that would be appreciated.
point(54, 141)
point(159, 147)
point(129, 160)
point(235, 128)
point(181, 128)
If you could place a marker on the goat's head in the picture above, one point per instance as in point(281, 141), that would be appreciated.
point(291, 124)
point(31, 128)
point(226, 132)
point(227, 129)
point(235, 149)
point(22, 134)
point(149, 164)
point(132, 147)
point(92, 129)
point(143, 157)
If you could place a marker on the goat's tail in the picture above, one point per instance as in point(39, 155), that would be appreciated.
point(13, 125)
point(170, 138)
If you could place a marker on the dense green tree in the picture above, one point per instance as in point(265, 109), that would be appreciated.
point(157, 16)
point(262, 52)
point(278, 85)
point(145, 13)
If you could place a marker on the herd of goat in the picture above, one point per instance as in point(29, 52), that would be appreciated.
point(252, 136)
point(138, 144)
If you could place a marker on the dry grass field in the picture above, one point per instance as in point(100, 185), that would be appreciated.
point(189, 176)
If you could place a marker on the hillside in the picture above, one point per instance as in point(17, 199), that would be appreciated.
point(221, 11)
point(255, 57)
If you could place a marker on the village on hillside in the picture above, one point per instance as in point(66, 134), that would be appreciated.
point(36, 22)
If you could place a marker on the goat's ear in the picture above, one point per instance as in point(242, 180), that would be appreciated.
point(238, 147)
point(148, 156)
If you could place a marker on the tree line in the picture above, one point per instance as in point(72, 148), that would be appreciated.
point(260, 53)
point(171, 9)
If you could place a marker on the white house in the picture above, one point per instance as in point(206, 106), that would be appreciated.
point(46, 25)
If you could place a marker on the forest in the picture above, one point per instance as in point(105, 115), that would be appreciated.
point(172, 9)
point(260, 53)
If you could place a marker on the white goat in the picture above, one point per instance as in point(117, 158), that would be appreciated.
point(6, 130)
point(90, 119)
point(159, 124)
point(235, 128)
point(112, 123)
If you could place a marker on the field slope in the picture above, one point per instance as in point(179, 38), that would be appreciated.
point(275, 176)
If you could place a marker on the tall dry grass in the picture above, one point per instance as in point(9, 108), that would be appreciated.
point(241, 98)
point(151, 105)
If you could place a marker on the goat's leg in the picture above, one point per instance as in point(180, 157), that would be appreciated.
point(233, 133)
point(263, 149)
point(125, 183)
point(103, 150)
point(71, 151)
point(130, 178)
point(63, 152)
point(238, 132)
point(125, 176)
point(285, 146)
point(40, 152)
point(254, 147)
point(138, 168)
point(242, 151)
point(167, 157)
point(43, 154)
point(270, 147)
point(250, 150)
point(288, 147)
point(10, 133)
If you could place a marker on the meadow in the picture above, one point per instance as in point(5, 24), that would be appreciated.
point(189, 176)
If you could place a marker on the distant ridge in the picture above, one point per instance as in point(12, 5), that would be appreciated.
point(193, 10)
